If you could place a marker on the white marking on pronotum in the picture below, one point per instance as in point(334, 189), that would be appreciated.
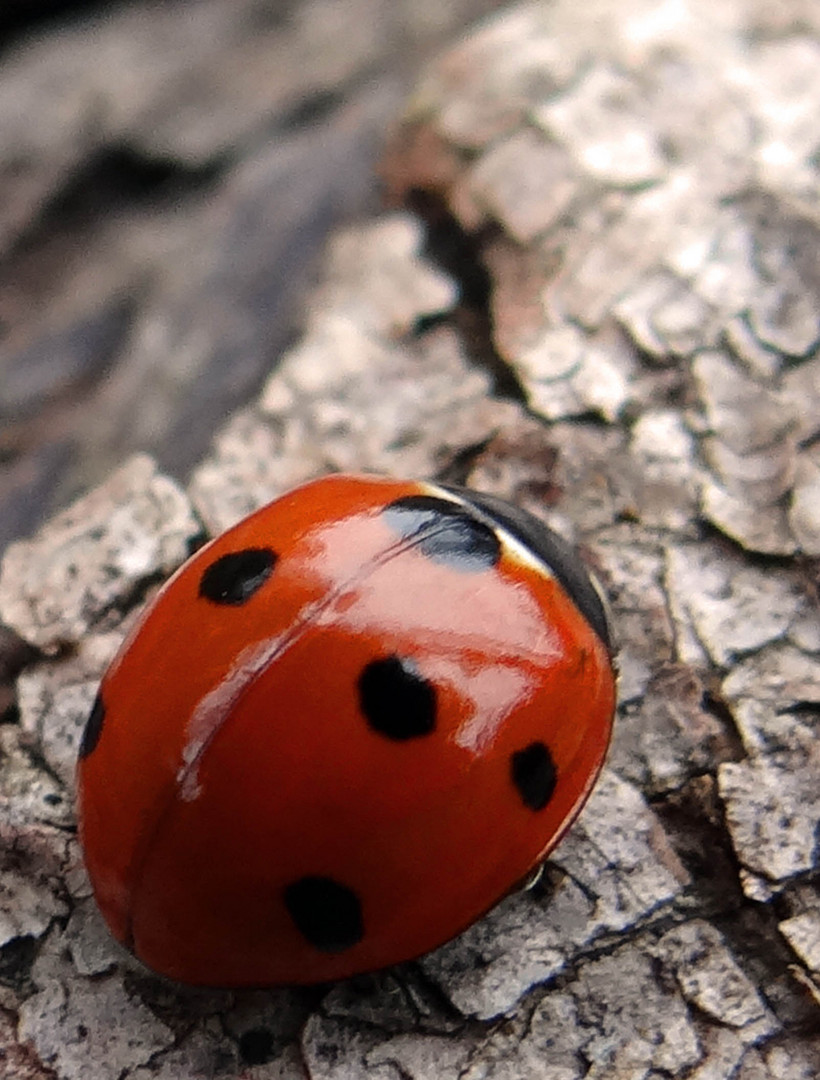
point(514, 547)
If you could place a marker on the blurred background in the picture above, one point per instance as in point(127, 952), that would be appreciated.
point(169, 172)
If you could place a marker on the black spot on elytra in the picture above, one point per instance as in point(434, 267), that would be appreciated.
point(533, 773)
point(396, 699)
point(446, 532)
point(93, 728)
point(558, 556)
point(234, 578)
point(327, 914)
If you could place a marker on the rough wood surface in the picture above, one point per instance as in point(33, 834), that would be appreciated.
point(169, 174)
point(627, 197)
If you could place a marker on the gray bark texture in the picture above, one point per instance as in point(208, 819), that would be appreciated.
point(597, 294)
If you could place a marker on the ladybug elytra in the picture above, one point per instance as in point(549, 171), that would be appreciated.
point(341, 732)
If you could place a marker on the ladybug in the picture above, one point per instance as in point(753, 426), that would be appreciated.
point(341, 732)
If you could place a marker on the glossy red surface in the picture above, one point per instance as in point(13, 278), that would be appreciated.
point(234, 758)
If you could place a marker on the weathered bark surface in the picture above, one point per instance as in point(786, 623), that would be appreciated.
point(169, 174)
point(627, 195)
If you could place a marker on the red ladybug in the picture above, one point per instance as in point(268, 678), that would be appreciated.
point(341, 732)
